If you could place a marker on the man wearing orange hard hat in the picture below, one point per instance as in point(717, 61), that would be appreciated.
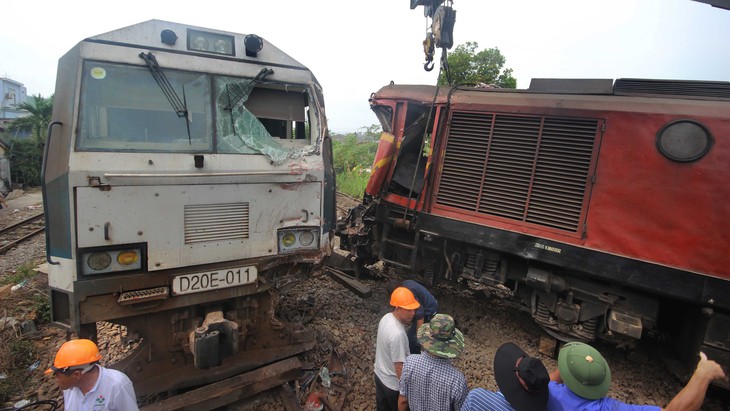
point(87, 385)
point(391, 347)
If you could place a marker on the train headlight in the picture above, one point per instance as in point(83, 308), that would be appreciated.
point(210, 42)
point(298, 239)
point(288, 240)
point(110, 261)
point(306, 238)
point(99, 261)
point(127, 257)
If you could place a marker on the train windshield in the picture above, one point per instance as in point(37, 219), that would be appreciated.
point(127, 108)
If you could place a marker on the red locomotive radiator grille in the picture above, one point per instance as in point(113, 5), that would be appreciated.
point(531, 169)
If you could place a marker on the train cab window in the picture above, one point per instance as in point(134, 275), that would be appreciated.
point(410, 167)
point(124, 109)
point(252, 119)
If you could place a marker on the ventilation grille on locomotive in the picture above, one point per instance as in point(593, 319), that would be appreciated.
point(677, 88)
point(216, 222)
point(532, 169)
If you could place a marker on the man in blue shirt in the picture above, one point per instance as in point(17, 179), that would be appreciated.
point(424, 313)
point(583, 378)
point(522, 381)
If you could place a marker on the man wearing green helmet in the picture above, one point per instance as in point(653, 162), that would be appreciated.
point(583, 378)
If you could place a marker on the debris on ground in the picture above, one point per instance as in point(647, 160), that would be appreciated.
point(345, 325)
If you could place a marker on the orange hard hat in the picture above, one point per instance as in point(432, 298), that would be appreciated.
point(75, 353)
point(403, 298)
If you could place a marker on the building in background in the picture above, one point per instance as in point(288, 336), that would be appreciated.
point(12, 93)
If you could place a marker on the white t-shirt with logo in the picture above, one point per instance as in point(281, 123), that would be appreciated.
point(391, 346)
point(113, 391)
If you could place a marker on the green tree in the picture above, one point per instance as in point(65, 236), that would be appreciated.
point(350, 154)
point(26, 155)
point(371, 133)
point(25, 161)
point(352, 159)
point(41, 110)
point(467, 66)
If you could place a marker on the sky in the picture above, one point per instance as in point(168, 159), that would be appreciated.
point(355, 48)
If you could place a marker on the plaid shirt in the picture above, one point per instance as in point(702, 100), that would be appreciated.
point(432, 384)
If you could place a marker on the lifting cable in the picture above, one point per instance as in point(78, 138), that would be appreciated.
point(438, 34)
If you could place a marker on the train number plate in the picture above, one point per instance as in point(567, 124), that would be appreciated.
point(213, 280)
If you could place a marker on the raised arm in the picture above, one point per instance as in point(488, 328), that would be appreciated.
point(692, 395)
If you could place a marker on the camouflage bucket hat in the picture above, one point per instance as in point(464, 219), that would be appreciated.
point(441, 338)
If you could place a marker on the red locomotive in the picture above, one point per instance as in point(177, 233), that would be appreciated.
point(602, 208)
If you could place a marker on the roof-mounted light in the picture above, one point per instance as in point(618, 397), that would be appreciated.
point(211, 42)
point(253, 44)
point(168, 37)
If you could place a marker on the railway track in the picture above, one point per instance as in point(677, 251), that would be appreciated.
point(16, 233)
point(345, 202)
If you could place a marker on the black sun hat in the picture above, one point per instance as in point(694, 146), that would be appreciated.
point(509, 363)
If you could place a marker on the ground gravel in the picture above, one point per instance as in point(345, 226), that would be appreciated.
point(345, 326)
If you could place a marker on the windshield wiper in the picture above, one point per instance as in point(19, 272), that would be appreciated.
point(238, 93)
point(180, 106)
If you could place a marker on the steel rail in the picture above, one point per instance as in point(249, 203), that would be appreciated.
point(19, 224)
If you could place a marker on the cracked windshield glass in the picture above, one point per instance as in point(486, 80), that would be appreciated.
point(126, 108)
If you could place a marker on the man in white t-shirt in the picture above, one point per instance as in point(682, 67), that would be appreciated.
point(391, 348)
point(87, 385)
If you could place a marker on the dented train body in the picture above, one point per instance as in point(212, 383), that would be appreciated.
point(598, 207)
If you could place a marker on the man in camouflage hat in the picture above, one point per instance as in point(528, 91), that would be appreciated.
point(429, 381)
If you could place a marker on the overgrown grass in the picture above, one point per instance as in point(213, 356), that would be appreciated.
point(17, 353)
point(16, 357)
point(352, 183)
point(42, 307)
point(41, 301)
point(24, 272)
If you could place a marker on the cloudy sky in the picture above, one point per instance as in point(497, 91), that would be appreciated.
point(356, 47)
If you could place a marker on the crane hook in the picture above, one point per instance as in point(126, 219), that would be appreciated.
point(428, 49)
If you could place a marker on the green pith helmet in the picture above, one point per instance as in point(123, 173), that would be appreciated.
point(584, 370)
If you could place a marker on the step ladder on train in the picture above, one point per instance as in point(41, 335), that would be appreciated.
point(398, 246)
